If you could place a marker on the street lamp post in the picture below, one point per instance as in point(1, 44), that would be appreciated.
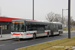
point(0, 11)
point(33, 10)
point(62, 14)
point(69, 33)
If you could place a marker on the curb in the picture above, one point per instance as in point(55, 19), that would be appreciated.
point(67, 32)
point(5, 39)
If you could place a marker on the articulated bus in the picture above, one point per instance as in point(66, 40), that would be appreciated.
point(32, 29)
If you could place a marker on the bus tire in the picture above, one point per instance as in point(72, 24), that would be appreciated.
point(48, 34)
point(34, 36)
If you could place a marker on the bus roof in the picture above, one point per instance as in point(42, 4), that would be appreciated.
point(39, 21)
point(57, 22)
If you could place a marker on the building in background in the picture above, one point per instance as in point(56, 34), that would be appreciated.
point(5, 22)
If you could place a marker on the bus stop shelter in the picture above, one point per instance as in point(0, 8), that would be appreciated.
point(1, 31)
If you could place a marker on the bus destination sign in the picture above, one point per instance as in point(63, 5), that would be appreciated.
point(18, 22)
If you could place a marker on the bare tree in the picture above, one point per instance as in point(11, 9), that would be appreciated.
point(52, 17)
point(66, 20)
point(57, 18)
point(73, 23)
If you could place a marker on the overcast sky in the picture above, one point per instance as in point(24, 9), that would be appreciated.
point(23, 8)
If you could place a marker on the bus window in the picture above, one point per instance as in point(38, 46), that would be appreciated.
point(22, 28)
point(31, 27)
point(40, 29)
point(18, 27)
point(55, 27)
point(47, 27)
point(60, 26)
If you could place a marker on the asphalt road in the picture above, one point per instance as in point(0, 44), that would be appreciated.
point(12, 45)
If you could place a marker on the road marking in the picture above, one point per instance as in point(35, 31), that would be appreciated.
point(6, 41)
point(2, 45)
point(19, 42)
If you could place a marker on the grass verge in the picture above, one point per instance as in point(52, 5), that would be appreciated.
point(60, 44)
point(66, 28)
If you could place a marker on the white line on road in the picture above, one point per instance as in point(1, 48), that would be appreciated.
point(19, 42)
point(2, 45)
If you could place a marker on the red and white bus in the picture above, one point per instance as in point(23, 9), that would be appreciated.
point(32, 29)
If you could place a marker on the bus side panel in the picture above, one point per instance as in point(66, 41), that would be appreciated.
point(17, 34)
point(48, 31)
point(56, 29)
point(29, 34)
point(60, 29)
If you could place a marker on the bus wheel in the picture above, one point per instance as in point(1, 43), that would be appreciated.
point(34, 36)
point(47, 34)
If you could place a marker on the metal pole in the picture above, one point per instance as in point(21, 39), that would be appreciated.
point(69, 33)
point(0, 11)
point(33, 9)
point(62, 16)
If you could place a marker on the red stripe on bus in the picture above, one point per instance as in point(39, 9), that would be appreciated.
point(29, 33)
point(46, 32)
point(17, 34)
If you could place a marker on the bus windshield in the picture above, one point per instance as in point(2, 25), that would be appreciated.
point(18, 27)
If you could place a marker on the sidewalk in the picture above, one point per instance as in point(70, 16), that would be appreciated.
point(5, 37)
point(8, 36)
point(67, 31)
